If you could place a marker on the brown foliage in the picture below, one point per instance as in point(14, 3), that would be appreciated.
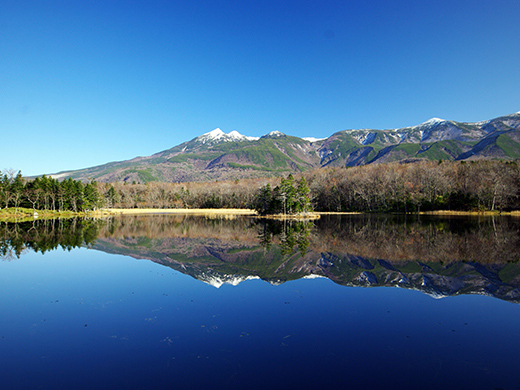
point(421, 186)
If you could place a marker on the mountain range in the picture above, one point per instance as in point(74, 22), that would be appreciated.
point(220, 155)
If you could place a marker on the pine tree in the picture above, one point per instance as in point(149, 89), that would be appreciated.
point(284, 198)
point(17, 188)
point(303, 203)
point(264, 200)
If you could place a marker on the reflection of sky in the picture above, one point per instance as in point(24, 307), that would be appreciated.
point(87, 319)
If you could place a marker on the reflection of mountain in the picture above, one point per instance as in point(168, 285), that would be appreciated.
point(215, 251)
point(440, 256)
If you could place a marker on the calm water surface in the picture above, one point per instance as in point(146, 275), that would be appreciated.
point(333, 304)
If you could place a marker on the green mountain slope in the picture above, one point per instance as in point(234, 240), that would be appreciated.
point(217, 155)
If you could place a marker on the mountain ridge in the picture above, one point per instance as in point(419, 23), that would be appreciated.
point(219, 155)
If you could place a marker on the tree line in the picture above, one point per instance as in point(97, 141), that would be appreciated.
point(422, 186)
point(47, 193)
point(392, 187)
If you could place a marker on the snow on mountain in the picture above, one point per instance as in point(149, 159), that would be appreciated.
point(239, 137)
point(274, 134)
point(214, 134)
point(426, 129)
point(367, 138)
point(217, 280)
point(475, 140)
point(313, 139)
point(432, 121)
point(218, 135)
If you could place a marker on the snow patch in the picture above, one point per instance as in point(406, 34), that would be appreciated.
point(314, 276)
point(364, 137)
point(313, 139)
point(60, 175)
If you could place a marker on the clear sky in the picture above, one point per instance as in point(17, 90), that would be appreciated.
point(83, 83)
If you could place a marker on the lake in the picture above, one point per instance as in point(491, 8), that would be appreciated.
point(191, 302)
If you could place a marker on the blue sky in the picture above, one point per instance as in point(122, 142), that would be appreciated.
point(83, 83)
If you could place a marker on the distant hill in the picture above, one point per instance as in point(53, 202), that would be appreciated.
point(217, 155)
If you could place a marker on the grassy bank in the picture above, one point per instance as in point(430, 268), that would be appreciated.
point(213, 212)
point(20, 214)
point(23, 214)
point(181, 211)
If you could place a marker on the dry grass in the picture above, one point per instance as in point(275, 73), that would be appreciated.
point(182, 211)
point(211, 213)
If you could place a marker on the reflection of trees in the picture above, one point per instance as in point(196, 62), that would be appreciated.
point(159, 226)
point(265, 233)
point(45, 235)
point(397, 239)
point(423, 238)
point(289, 232)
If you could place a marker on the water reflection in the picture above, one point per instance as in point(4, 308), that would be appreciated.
point(46, 235)
point(440, 256)
point(290, 234)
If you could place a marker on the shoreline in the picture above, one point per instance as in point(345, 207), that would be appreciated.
point(313, 215)
point(470, 213)
point(27, 214)
point(515, 213)
point(179, 211)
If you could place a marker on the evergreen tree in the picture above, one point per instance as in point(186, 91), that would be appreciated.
point(5, 191)
point(302, 201)
point(17, 189)
point(284, 198)
point(91, 196)
point(264, 199)
point(287, 194)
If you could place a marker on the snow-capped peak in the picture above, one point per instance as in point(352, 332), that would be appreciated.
point(214, 134)
point(235, 134)
point(432, 121)
point(218, 135)
point(274, 134)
